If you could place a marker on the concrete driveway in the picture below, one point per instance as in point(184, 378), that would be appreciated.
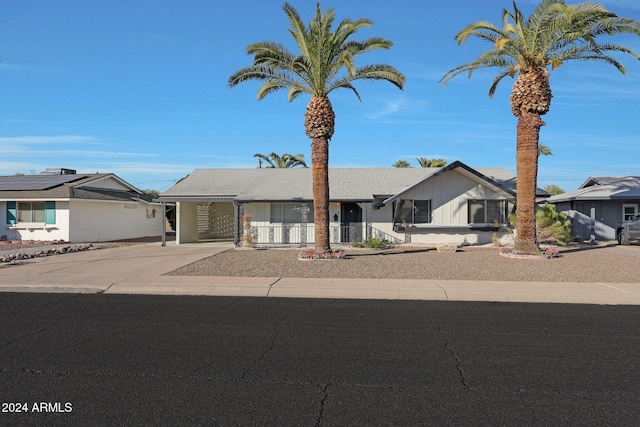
point(97, 270)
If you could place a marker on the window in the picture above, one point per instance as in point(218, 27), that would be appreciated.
point(290, 213)
point(629, 212)
point(487, 211)
point(31, 212)
point(408, 212)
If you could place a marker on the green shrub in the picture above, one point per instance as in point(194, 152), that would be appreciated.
point(551, 226)
point(371, 242)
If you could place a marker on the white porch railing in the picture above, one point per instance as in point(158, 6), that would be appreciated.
point(301, 235)
point(298, 234)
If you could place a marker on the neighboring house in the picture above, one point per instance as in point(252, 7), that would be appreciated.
point(599, 204)
point(75, 208)
point(454, 204)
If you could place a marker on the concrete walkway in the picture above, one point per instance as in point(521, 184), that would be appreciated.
point(139, 269)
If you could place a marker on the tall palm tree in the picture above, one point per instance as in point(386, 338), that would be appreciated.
point(284, 161)
point(525, 47)
point(431, 163)
point(325, 63)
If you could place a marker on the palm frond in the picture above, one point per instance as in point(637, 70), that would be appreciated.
point(299, 29)
point(270, 86)
point(490, 59)
point(326, 60)
point(496, 81)
point(347, 28)
point(476, 29)
point(297, 90)
point(552, 35)
point(269, 53)
point(261, 72)
point(344, 83)
point(381, 72)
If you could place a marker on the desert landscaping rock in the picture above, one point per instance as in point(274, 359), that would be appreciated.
point(21, 256)
point(576, 263)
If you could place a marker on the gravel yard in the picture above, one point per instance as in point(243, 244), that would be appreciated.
point(577, 263)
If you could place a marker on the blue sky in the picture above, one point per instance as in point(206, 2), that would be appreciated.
point(139, 88)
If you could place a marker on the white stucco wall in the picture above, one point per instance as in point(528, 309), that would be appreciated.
point(96, 221)
point(186, 222)
point(37, 232)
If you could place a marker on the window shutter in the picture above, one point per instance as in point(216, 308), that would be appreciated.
point(49, 212)
point(11, 213)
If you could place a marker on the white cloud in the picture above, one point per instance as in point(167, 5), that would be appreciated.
point(390, 107)
point(22, 151)
point(56, 139)
point(393, 106)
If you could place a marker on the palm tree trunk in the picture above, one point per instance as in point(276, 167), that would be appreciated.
point(527, 170)
point(320, 173)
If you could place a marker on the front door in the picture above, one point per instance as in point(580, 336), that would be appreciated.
point(351, 222)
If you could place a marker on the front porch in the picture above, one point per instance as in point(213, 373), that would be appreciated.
point(291, 224)
point(272, 223)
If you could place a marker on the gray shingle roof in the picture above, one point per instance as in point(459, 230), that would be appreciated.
point(603, 188)
point(345, 184)
point(111, 195)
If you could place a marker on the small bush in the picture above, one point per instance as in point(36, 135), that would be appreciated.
point(311, 254)
point(372, 242)
point(248, 237)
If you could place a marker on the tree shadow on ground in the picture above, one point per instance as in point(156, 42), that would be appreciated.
point(392, 251)
point(581, 247)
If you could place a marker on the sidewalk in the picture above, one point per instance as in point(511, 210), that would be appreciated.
point(139, 269)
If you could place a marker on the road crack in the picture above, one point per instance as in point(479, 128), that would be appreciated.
point(272, 285)
point(448, 346)
point(325, 391)
point(276, 333)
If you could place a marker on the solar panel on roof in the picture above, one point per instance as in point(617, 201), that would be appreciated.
point(35, 182)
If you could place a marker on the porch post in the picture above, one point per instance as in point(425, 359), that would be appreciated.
point(367, 213)
point(593, 222)
point(164, 223)
point(236, 223)
point(303, 225)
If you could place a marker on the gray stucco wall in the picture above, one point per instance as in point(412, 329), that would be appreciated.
point(607, 217)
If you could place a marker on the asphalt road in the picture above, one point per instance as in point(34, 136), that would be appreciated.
point(153, 360)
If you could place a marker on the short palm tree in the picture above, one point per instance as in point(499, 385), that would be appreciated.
point(525, 47)
point(401, 164)
point(543, 150)
point(284, 161)
point(325, 63)
point(431, 163)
